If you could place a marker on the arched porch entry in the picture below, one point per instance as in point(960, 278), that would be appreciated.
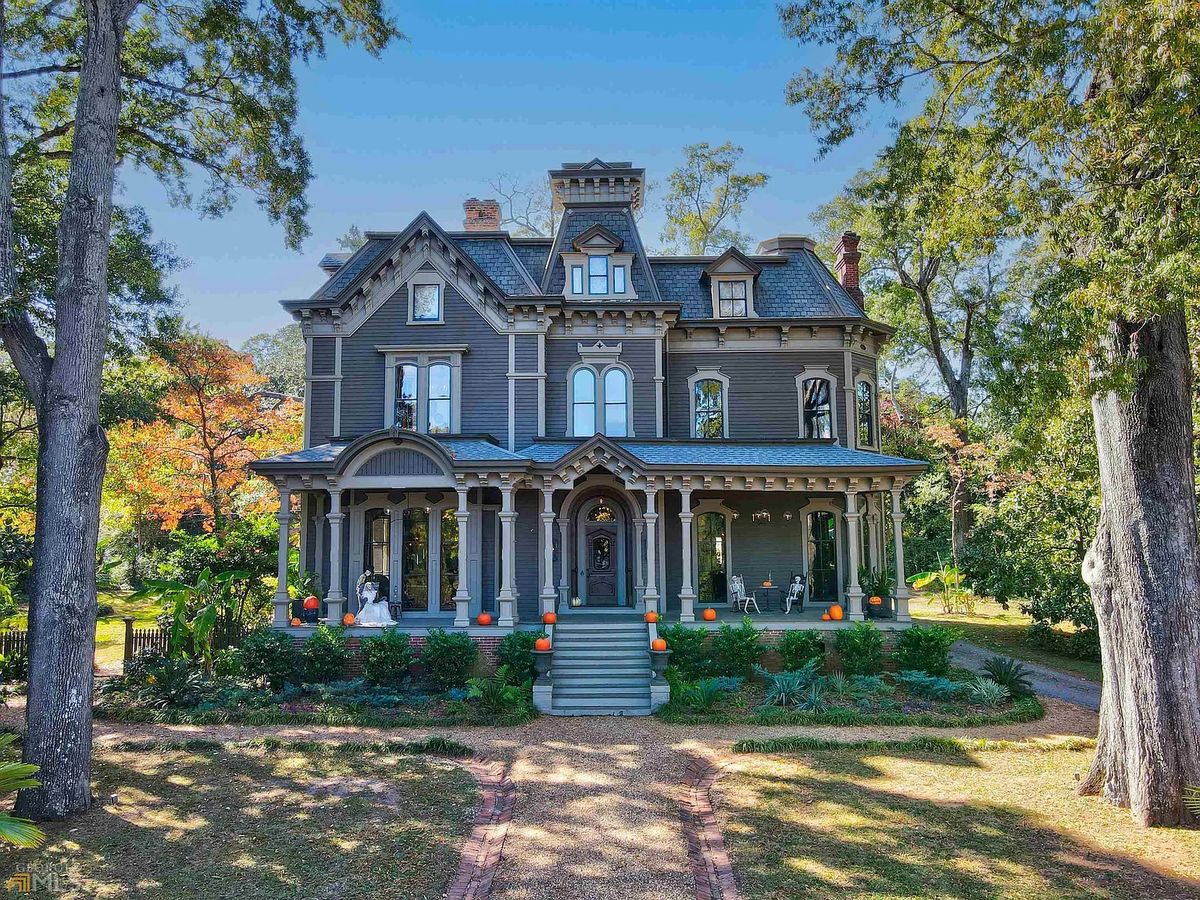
point(601, 519)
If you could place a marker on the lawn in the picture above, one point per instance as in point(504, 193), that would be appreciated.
point(110, 629)
point(1002, 630)
point(263, 822)
point(944, 820)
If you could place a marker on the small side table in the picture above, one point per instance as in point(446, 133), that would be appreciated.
point(766, 594)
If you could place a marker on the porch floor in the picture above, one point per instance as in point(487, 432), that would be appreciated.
point(808, 618)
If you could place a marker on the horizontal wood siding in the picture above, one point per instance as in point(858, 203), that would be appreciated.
point(488, 561)
point(399, 462)
point(526, 417)
point(526, 504)
point(320, 417)
point(323, 356)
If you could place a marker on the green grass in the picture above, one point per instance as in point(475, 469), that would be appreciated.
point(268, 822)
point(1002, 631)
point(937, 818)
point(327, 716)
point(1027, 709)
point(110, 630)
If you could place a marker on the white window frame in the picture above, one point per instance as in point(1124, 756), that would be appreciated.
point(715, 281)
point(624, 270)
point(596, 389)
point(614, 258)
point(423, 358)
point(600, 371)
point(808, 373)
point(865, 378)
point(706, 373)
point(577, 289)
point(423, 278)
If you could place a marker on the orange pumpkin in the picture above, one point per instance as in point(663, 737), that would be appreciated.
point(825, 617)
point(541, 644)
point(295, 622)
point(348, 619)
point(311, 602)
point(710, 614)
point(658, 644)
point(651, 616)
point(836, 613)
point(484, 618)
point(549, 618)
point(875, 601)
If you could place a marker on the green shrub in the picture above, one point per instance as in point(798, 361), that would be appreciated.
point(925, 649)
point(1084, 643)
point(449, 657)
point(386, 657)
point(498, 695)
point(516, 654)
point(272, 655)
point(155, 680)
point(736, 650)
point(985, 692)
point(796, 648)
point(860, 649)
point(325, 654)
point(689, 651)
point(14, 666)
point(930, 687)
point(1009, 673)
point(788, 688)
point(227, 663)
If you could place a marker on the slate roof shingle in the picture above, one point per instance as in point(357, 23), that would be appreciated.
point(730, 453)
point(498, 261)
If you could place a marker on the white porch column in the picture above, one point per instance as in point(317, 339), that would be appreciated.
point(283, 602)
point(898, 536)
point(687, 593)
point(335, 600)
point(548, 593)
point(462, 591)
point(651, 517)
point(639, 577)
point(854, 593)
point(507, 597)
point(874, 534)
point(564, 553)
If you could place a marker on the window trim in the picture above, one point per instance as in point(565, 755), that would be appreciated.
point(865, 378)
point(422, 358)
point(577, 287)
point(709, 373)
point(745, 298)
point(839, 530)
point(600, 369)
point(624, 279)
point(715, 281)
point(422, 278)
point(572, 402)
point(430, 399)
point(808, 373)
point(720, 508)
point(602, 410)
point(602, 257)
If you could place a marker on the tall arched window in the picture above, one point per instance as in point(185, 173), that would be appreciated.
point(710, 408)
point(378, 547)
point(439, 399)
point(818, 408)
point(866, 414)
point(406, 397)
point(616, 403)
point(711, 555)
point(583, 403)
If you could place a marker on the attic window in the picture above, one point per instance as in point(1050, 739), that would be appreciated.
point(598, 275)
point(732, 299)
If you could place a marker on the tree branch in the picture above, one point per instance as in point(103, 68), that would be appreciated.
point(28, 351)
point(38, 70)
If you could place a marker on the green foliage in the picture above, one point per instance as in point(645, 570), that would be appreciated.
point(704, 199)
point(16, 566)
point(497, 695)
point(154, 680)
point(1081, 644)
point(735, 650)
point(925, 649)
point(689, 651)
point(227, 663)
point(14, 777)
point(449, 657)
point(279, 355)
point(787, 689)
point(387, 657)
point(325, 654)
point(248, 544)
point(876, 582)
point(1010, 673)
point(949, 584)
point(516, 653)
point(272, 655)
point(985, 692)
point(860, 649)
point(929, 687)
point(796, 648)
point(14, 666)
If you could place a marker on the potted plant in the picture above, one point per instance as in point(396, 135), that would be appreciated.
point(543, 656)
point(878, 587)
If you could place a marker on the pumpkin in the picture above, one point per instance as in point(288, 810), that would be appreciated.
point(311, 602)
point(836, 613)
point(484, 618)
point(710, 614)
point(658, 644)
point(348, 619)
point(295, 622)
point(542, 643)
point(651, 616)
point(875, 601)
point(549, 618)
point(825, 617)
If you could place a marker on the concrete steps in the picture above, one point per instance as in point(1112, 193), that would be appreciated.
point(601, 668)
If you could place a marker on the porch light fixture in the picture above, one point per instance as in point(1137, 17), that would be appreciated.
point(787, 516)
point(761, 515)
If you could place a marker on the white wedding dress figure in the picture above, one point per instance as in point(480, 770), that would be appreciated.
point(372, 609)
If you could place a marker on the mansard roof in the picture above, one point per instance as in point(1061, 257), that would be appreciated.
point(618, 220)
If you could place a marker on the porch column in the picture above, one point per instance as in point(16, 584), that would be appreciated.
point(335, 600)
point(687, 593)
point(283, 602)
point(548, 593)
point(462, 592)
point(853, 542)
point(564, 553)
point(508, 596)
point(898, 536)
point(874, 534)
point(651, 518)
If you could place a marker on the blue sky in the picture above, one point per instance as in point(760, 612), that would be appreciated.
point(486, 88)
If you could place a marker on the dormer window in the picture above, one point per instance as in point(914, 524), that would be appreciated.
point(618, 279)
point(598, 275)
point(576, 279)
point(597, 266)
point(732, 299)
point(731, 277)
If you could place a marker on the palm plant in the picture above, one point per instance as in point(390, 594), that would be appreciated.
point(13, 777)
point(1191, 799)
point(1010, 673)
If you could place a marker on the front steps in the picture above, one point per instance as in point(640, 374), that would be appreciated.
point(601, 668)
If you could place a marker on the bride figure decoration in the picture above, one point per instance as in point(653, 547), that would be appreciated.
point(372, 609)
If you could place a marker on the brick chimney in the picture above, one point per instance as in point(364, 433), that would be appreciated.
point(847, 264)
point(481, 215)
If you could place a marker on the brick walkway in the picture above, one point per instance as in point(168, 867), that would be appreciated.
point(711, 867)
point(481, 854)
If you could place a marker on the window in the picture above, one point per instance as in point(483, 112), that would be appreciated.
point(597, 274)
point(618, 279)
point(378, 549)
point(583, 403)
point(406, 397)
point(732, 298)
point(414, 558)
point(449, 557)
point(439, 399)
point(866, 414)
point(710, 557)
point(576, 279)
point(710, 408)
point(427, 303)
point(822, 555)
point(818, 408)
point(601, 513)
point(616, 403)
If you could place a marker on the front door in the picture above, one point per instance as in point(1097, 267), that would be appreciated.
point(600, 563)
point(823, 556)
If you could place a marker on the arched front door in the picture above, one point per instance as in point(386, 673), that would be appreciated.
point(601, 553)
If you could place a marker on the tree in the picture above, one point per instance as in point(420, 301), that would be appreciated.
point(352, 239)
point(1092, 107)
point(526, 207)
point(204, 87)
point(279, 355)
point(704, 199)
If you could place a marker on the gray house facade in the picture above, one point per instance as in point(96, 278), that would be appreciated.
point(517, 426)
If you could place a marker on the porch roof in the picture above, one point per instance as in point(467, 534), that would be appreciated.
point(462, 449)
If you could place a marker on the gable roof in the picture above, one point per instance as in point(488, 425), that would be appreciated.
point(589, 238)
point(746, 264)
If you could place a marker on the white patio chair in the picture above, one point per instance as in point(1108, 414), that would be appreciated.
point(741, 599)
point(795, 594)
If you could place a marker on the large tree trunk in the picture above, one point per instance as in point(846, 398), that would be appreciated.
point(73, 448)
point(1143, 572)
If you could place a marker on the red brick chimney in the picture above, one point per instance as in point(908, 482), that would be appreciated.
point(481, 215)
point(847, 264)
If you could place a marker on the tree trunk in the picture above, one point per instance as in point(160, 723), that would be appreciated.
point(1143, 572)
point(73, 448)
